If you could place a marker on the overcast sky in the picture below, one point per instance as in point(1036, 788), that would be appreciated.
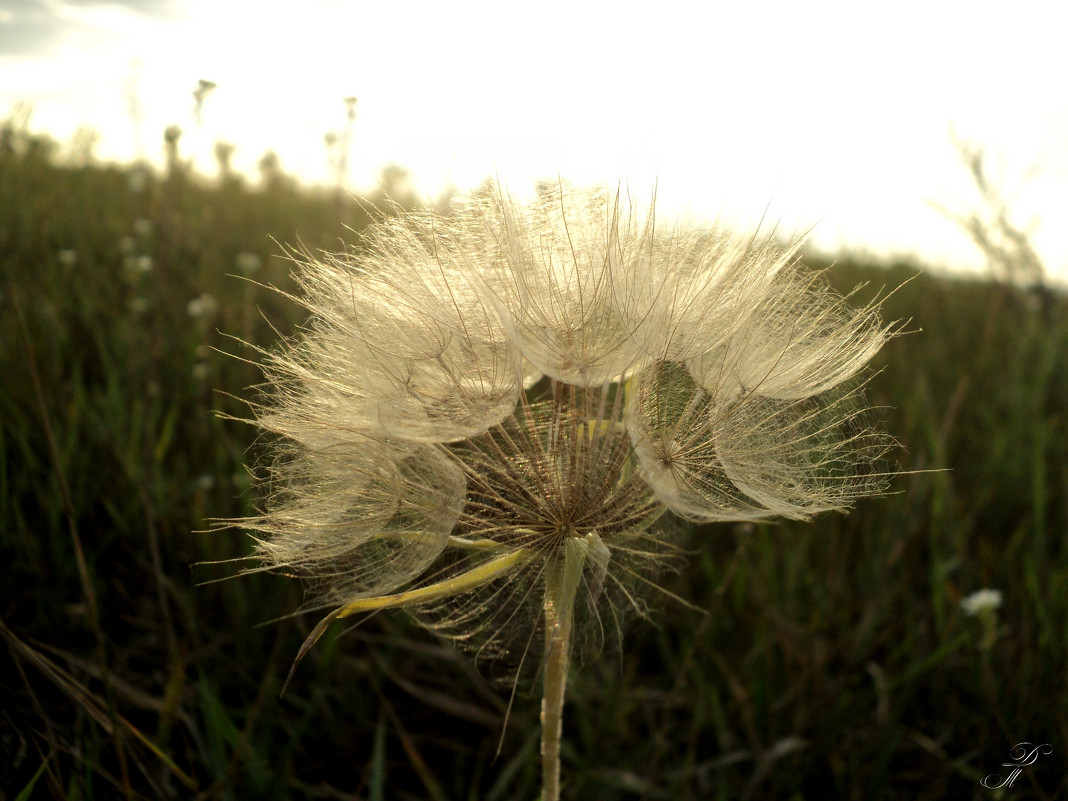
point(833, 115)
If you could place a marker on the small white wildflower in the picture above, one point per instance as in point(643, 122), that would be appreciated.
point(248, 263)
point(204, 305)
point(981, 601)
point(206, 482)
point(136, 180)
point(68, 258)
point(139, 304)
point(144, 264)
point(142, 227)
point(201, 370)
point(502, 405)
point(127, 245)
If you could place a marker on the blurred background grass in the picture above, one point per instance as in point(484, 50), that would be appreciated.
point(834, 660)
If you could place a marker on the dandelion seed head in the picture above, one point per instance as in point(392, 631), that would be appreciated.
point(478, 392)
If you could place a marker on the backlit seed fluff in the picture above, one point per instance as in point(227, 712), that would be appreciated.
point(476, 393)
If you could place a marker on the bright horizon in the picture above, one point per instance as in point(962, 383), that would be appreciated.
point(836, 118)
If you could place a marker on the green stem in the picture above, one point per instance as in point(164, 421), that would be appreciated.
point(561, 582)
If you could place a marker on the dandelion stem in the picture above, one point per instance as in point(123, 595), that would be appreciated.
point(561, 582)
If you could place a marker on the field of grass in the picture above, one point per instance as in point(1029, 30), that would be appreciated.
point(831, 660)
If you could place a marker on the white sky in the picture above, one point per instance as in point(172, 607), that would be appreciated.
point(838, 115)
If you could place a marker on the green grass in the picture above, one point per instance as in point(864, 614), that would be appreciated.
point(832, 661)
